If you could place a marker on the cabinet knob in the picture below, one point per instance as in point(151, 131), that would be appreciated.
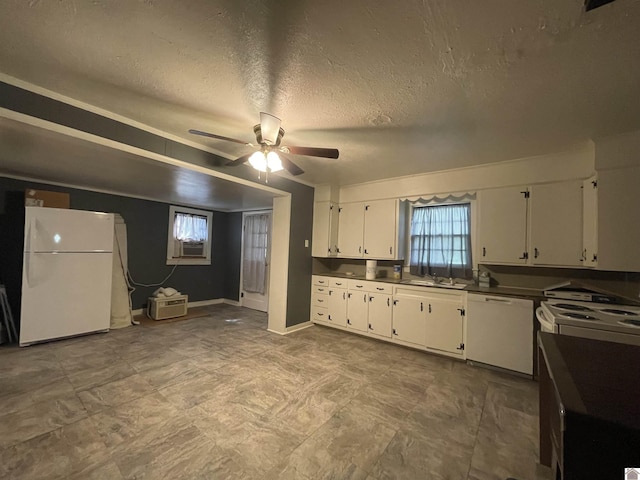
point(484, 251)
point(395, 332)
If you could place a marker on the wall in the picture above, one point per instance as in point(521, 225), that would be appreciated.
point(147, 244)
point(578, 162)
point(299, 260)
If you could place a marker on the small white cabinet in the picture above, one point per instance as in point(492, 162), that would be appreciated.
point(409, 319)
point(357, 310)
point(502, 225)
point(372, 229)
point(380, 314)
point(618, 225)
point(556, 224)
point(590, 222)
point(351, 230)
point(337, 308)
point(324, 242)
point(445, 323)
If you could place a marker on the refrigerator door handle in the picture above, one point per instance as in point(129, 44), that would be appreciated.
point(29, 248)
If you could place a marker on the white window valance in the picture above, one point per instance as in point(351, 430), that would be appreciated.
point(440, 198)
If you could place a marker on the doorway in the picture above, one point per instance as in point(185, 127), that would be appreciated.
point(256, 259)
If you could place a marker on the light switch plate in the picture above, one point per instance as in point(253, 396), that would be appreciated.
point(306, 243)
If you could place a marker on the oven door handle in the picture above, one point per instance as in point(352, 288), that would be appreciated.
point(545, 325)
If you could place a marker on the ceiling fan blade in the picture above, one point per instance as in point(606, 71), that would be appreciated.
point(218, 137)
point(289, 166)
point(239, 160)
point(269, 127)
point(313, 151)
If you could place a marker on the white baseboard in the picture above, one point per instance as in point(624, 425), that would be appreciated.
point(235, 303)
point(294, 328)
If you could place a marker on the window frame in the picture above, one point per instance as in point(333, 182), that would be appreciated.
point(472, 232)
point(171, 260)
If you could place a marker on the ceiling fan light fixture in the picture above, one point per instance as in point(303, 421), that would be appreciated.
point(273, 162)
point(258, 161)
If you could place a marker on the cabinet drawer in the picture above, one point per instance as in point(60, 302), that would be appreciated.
point(377, 287)
point(368, 286)
point(319, 290)
point(319, 280)
point(338, 282)
point(319, 314)
point(320, 300)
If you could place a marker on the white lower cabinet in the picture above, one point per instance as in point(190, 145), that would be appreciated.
point(337, 310)
point(380, 315)
point(430, 319)
point(358, 311)
point(445, 323)
point(409, 320)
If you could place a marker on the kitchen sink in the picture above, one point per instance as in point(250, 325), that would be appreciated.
point(431, 283)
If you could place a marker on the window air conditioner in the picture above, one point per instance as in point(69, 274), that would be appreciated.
point(192, 249)
point(160, 308)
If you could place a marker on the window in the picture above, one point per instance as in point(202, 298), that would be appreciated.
point(441, 241)
point(189, 237)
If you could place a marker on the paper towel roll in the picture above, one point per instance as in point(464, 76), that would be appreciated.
point(372, 266)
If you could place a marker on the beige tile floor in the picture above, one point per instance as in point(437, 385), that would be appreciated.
point(220, 397)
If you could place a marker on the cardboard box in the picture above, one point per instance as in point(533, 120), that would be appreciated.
point(43, 198)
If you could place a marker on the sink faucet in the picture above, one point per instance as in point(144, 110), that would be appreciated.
point(434, 277)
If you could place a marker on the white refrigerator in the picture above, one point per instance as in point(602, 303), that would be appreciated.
point(66, 273)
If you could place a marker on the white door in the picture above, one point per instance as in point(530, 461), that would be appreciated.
point(351, 229)
point(380, 229)
point(256, 253)
point(502, 225)
point(409, 322)
point(64, 294)
point(556, 224)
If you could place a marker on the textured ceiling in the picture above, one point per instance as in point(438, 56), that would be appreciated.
point(399, 87)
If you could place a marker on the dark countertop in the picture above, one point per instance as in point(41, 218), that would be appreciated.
point(595, 378)
point(497, 290)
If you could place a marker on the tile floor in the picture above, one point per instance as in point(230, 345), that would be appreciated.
point(220, 397)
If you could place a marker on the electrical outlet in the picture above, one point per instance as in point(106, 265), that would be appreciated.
point(306, 244)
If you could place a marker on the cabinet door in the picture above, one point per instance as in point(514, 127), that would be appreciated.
point(502, 225)
point(380, 314)
point(590, 222)
point(556, 224)
point(409, 320)
point(618, 225)
point(351, 230)
point(338, 306)
point(357, 310)
point(325, 229)
point(380, 229)
point(445, 325)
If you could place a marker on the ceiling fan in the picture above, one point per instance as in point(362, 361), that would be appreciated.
point(270, 157)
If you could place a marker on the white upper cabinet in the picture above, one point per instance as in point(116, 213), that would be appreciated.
point(372, 230)
point(590, 222)
point(502, 225)
point(618, 219)
point(381, 229)
point(324, 242)
point(556, 224)
point(351, 230)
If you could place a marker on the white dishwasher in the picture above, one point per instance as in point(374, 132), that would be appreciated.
point(500, 332)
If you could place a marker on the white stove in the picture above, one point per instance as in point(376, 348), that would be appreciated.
point(600, 321)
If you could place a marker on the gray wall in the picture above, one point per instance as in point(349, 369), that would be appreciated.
point(299, 286)
point(147, 224)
